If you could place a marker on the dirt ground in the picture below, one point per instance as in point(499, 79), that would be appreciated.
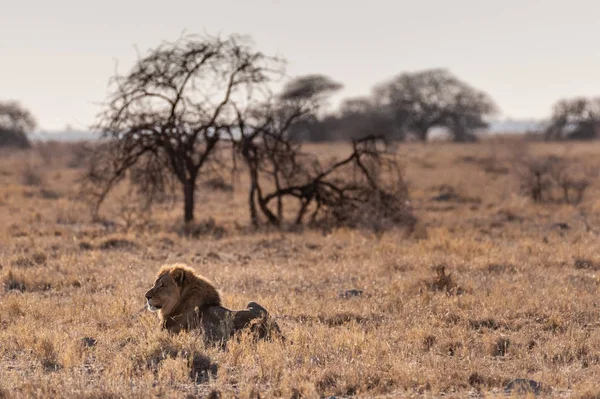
point(521, 299)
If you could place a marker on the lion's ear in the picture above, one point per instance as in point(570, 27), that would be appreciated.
point(178, 276)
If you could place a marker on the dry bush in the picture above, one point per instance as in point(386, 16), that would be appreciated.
point(117, 242)
point(365, 189)
point(572, 177)
point(547, 178)
point(535, 178)
point(31, 175)
point(218, 183)
point(202, 228)
point(80, 154)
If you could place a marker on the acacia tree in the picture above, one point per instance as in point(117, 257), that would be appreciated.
point(466, 114)
point(577, 118)
point(263, 136)
point(165, 118)
point(15, 123)
point(422, 100)
point(313, 89)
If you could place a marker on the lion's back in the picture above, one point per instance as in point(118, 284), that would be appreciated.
point(202, 292)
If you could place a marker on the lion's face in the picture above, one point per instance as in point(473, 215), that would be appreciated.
point(164, 295)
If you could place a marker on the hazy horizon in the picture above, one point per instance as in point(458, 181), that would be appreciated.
point(526, 54)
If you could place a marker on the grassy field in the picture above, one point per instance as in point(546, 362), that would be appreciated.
point(521, 301)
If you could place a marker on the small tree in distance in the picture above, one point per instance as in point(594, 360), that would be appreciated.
point(165, 118)
point(15, 123)
point(577, 118)
point(311, 89)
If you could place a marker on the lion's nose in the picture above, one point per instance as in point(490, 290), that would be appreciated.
point(148, 295)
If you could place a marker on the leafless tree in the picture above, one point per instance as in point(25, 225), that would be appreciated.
point(577, 118)
point(423, 100)
point(15, 123)
point(165, 118)
point(351, 191)
point(263, 137)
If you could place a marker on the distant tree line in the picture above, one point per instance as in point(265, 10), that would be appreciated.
point(409, 105)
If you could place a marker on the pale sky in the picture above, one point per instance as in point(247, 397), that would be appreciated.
point(56, 56)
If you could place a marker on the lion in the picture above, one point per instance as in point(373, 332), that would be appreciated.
point(186, 301)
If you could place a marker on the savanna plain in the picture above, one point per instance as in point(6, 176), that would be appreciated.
point(490, 286)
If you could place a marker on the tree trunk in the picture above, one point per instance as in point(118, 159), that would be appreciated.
point(422, 134)
point(252, 204)
point(188, 195)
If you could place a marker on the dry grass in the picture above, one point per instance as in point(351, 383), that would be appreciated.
point(517, 298)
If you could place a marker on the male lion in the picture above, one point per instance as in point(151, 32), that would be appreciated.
point(186, 300)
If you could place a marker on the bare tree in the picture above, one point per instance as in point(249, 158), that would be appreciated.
point(577, 118)
point(364, 188)
point(423, 100)
point(263, 136)
point(166, 117)
point(15, 123)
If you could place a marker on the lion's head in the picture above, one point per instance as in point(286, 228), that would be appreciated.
point(179, 294)
point(166, 292)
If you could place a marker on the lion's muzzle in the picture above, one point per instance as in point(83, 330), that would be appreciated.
point(151, 307)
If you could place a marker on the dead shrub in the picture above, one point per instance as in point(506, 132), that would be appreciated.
point(452, 348)
point(22, 261)
point(207, 227)
point(46, 353)
point(201, 368)
point(534, 177)
point(85, 246)
point(30, 176)
point(38, 258)
point(553, 178)
point(489, 324)
point(79, 156)
point(214, 394)
point(444, 282)
point(586, 264)
point(49, 194)
point(428, 342)
point(218, 184)
point(500, 347)
point(117, 243)
point(365, 189)
point(572, 177)
point(500, 268)
point(476, 380)
point(14, 282)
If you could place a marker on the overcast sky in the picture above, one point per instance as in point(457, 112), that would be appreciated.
point(56, 56)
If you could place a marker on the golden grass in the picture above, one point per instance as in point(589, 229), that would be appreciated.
point(520, 299)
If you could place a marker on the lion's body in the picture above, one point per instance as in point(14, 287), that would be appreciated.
point(186, 300)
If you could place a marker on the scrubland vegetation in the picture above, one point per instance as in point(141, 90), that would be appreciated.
point(497, 280)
